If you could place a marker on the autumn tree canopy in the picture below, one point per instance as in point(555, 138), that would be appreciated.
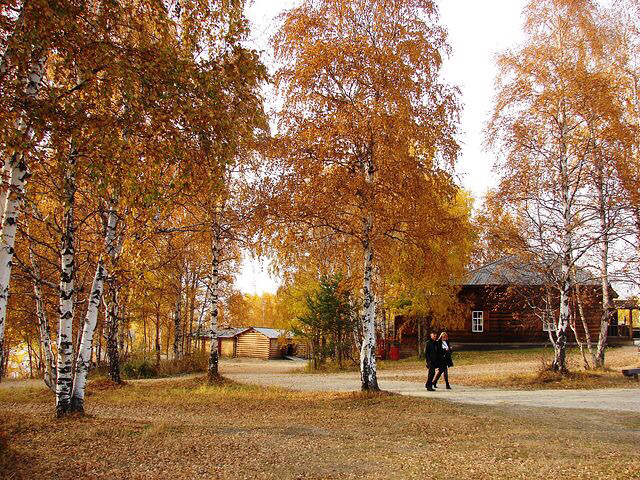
point(559, 125)
point(366, 135)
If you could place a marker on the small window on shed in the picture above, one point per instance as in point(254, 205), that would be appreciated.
point(548, 322)
point(477, 321)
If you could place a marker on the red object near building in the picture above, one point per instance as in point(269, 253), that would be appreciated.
point(394, 353)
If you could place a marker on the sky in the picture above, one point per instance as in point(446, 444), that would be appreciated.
point(478, 30)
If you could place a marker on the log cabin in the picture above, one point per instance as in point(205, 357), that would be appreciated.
point(501, 304)
point(264, 343)
point(252, 342)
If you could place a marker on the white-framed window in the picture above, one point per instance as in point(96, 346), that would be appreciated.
point(548, 322)
point(477, 321)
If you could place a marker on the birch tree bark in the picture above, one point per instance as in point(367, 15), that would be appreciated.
point(83, 360)
point(43, 326)
point(560, 358)
point(5, 182)
point(7, 240)
point(14, 198)
point(112, 304)
point(65, 340)
point(604, 268)
point(213, 374)
point(368, 374)
point(585, 326)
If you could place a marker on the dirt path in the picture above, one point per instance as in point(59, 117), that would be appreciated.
point(283, 375)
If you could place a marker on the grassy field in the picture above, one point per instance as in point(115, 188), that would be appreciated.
point(178, 428)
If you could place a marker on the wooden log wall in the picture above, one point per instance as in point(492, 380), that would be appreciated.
point(508, 317)
point(255, 345)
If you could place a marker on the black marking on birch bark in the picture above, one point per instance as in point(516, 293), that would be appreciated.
point(64, 369)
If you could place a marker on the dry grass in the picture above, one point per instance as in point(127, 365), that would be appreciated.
point(181, 428)
point(524, 369)
point(144, 366)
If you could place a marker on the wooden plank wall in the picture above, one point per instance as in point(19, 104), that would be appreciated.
point(508, 318)
point(227, 347)
point(274, 349)
point(255, 345)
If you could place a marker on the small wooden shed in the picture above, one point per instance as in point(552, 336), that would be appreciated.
point(265, 343)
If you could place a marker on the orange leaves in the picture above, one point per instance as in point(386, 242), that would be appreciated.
point(367, 140)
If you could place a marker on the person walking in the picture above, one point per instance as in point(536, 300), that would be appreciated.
point(434, 357)
point(445, 360)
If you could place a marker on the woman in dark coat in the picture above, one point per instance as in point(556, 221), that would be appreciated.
point(445, 360)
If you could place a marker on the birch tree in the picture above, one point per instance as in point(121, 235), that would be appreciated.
point(13, 199)
point(64, 368)
point(227, 117)
point(366, 132)
point(83, 358)
point(539, 125)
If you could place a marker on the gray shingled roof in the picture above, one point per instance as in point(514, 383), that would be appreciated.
point(231, 332)
point(235, 331)
point(511, 270)
point(272, 332)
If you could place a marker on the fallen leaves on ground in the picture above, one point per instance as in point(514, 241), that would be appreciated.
point(183, 428)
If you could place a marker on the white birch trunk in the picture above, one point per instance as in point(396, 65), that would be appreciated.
point(604, 271)
point(7, 241)
point(13, 201)
point(43, 327)
point(83, 360)
point(585, 326)
point(111, 318)
point(560, 358)
point(368, 374)
point(213, 373)
point(549, 312)
point(64, 381)
point(5, 180)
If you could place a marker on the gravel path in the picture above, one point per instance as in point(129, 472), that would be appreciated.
point(613, 399)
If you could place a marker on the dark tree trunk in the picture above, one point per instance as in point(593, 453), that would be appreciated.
point(158, 346)
point(177, 329)
point(112, 333)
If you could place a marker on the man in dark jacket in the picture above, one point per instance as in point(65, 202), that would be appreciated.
point(433, 354)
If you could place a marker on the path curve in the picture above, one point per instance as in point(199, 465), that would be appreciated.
point(612, 399)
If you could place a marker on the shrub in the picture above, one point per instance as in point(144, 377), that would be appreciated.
point(139, 368)
point(194, 363)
